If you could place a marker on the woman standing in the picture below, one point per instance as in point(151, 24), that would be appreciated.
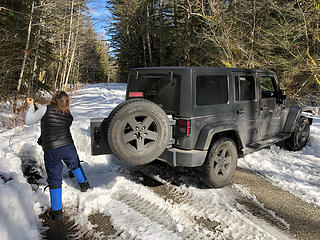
point(57, 144)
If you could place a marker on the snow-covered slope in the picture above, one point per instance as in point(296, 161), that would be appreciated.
point(134, 209)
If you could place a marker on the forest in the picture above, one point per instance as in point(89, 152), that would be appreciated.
point(51, 44)
point(282, 36)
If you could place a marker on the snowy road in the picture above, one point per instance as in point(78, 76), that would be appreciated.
point(157, 201)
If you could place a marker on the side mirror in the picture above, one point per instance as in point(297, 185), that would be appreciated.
point(283, 94)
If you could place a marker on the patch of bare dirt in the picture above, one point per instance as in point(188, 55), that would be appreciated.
point(102, 224)
point(64, 229)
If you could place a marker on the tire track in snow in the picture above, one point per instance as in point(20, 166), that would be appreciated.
point(66, 228)
point(192, 208)
point(302, 218)
point(195, 204)
point(180, 227)
point(181, 195)
point(253, 206)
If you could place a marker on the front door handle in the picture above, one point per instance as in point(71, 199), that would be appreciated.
point(240, 112)
point(264, 108)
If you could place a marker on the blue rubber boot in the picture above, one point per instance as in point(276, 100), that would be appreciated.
point(79, 174)
point(81, 169)
point(56, 203)
point(82, 179)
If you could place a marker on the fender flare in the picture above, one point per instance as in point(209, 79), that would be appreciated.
point(293, 116)
point(210, 130)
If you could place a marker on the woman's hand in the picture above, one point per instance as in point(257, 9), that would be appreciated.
point(30, 101)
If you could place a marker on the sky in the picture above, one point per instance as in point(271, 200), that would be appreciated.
point(99, 14)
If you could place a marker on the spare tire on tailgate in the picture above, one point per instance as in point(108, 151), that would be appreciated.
point(138, 131)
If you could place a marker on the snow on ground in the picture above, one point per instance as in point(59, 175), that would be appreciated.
point(7, 118)
point(113, 193)
point(296, 172)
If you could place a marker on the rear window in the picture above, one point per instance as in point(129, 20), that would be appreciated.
point(161, 89)
point(211, 90)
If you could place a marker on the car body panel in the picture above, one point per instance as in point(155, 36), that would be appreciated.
point(259, 119)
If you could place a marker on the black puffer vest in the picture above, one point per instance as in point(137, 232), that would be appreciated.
point(55, 129)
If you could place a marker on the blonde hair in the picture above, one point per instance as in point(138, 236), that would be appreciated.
point(61, 101)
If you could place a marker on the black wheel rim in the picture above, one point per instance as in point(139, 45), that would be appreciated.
point(140, 132)
point(302, 133)
point(222, 162)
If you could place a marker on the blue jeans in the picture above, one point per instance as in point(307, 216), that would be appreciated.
point(52, 159)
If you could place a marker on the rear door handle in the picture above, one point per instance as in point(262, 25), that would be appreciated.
point(264, 108)
point(240, 112)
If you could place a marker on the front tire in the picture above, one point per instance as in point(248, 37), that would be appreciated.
point(220, 164)
point(300, 136)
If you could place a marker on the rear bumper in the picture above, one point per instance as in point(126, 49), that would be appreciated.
point(172, 156)
point(186, 158)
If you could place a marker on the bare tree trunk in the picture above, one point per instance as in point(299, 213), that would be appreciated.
point(34, 70)
point(65, 64)
point(58, 68)
point(57, 75)
point(72, 54)
point(144, 51)
point(251, 63)
point(78, 70)
point(74, 73)
point(26, 49)
point(35, 58)
point(62, 61)
point(148, 37)
point(160, 35)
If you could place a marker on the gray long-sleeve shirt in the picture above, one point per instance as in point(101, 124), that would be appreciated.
point(33, 116)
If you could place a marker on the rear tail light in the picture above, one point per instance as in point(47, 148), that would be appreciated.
point(184, 126)
point(135, 94)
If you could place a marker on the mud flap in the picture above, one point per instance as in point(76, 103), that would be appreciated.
point(99, 144)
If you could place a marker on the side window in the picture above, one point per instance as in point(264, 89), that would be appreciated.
point(245, 88)
point(267, 87)
point(211, 90)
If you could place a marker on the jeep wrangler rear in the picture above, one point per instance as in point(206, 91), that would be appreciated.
point(202, 117)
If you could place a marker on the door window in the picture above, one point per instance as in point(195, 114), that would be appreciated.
point(245, 88)
point(267, 87)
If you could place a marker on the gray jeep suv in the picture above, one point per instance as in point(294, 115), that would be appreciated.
point(204, 117)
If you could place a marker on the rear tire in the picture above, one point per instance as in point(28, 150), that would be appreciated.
point(106, 122)
point(138, 131)
point(300, 136)
point(220, 164)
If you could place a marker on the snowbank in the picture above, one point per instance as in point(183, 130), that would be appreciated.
point(19, 205)
point(18, 216)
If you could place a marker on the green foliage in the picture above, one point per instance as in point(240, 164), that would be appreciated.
point(95, 65)
point(279, 35)
point(13, 27)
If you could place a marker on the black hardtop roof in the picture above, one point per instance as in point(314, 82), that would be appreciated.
point(205, 69)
